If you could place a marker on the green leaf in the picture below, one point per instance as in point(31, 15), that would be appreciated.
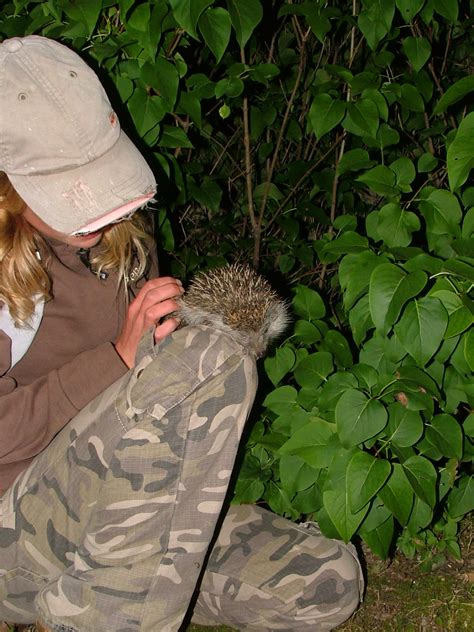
point(404, 170)
point(335, 386)
point(354, 160)
point(163, 77)
point(337, 506)
point(335, 342)
point(173, 137)
point(421, 516)
point(202, 87)
point(365, 476)
point(469, 348)
point(85, 11)
point(358, 418)
point(189, 104)
point(308, 304)
point(264, 72)
point(314, 369)
point(418, 51)
point(208, 194)
point(378, 352)
point(245, 15)
point(325, 113)
point(124, 86)
point(367, 376)
point(349, 241)
point(387, 136)
point(409, 8)
point(282, 398)
point(461, 499)
point(295, 474)
point(311, 443)
point(447, 8)
point(468, 224)
point(397, 494)
point(306, 332)
point(280, 364)
point(455, 93)
point(362, 118)
point(395, 225)
point(390, 288)
point(460, 156)
point(460, 316)
point(187, 12)
point(146, 111)
point(405, 427)
point(215, 26)
point(230, 86)
point(309, 500)
point(375, 20)
point(291, 420)
point(459, 268)
point(261, 120)
point(379, 100)
point(248, 491)
point(445, 433)
point(468, 425)
point(380, 179)
point(422, 476)
point(414, 379)
point(360, 320)
point(377, 515)
point(442, 212)
point(379, 539)
point(139, 18)
point(354, 275)
point(124, 6)
point(421, 328)
point(427, 162)
point(410, 98)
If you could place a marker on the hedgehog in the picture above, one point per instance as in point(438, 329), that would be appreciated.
point(239, 301)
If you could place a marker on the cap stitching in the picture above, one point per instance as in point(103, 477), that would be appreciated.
point(35, 73)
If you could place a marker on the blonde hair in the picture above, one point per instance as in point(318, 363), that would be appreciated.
point(24, 276)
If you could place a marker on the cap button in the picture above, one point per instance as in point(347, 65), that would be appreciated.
point(13, 45)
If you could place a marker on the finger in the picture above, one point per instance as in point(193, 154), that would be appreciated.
point(166, 328)
point(158, 311)
point(159, 295)
point(156, 285)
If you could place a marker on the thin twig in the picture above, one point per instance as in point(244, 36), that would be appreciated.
point(256, 253)
point(295, 187)
point(248, 160)
point(335, 184)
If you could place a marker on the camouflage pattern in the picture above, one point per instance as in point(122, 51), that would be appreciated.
point(267, 573)
point(109, 528)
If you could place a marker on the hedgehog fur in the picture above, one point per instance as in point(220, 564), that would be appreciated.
point(239, 301)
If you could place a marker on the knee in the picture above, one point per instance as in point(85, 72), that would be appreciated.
point(332, 595)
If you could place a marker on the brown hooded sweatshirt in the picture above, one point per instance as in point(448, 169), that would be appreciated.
point(71, 360)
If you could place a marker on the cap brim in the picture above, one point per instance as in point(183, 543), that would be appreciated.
point(72, 201)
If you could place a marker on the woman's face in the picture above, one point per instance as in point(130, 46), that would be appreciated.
point(79, 241)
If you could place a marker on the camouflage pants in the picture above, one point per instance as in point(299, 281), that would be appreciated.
point(109, 527)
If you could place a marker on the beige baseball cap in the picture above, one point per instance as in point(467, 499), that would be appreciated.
point(61, 144)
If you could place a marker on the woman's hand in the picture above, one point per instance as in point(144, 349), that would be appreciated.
point(154, 301)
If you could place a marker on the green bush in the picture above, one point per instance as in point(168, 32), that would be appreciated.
point(329, 143)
